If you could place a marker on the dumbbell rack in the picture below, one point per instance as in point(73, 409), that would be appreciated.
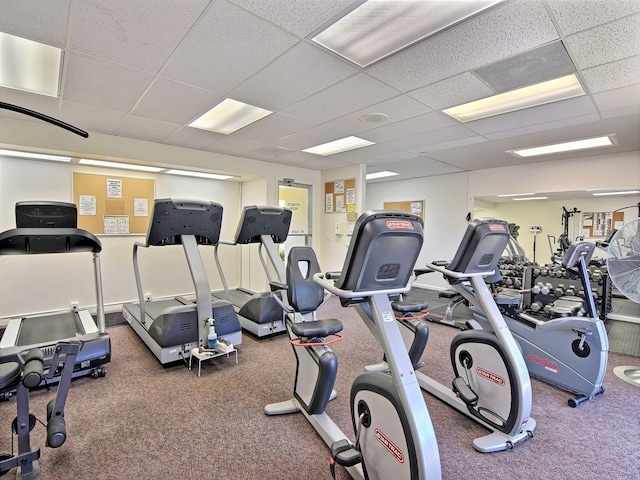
point(558, 283)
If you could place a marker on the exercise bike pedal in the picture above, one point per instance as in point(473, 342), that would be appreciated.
point(465, 392)
point(345, 453)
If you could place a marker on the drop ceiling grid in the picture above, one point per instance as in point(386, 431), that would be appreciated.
point(39, 20)
point(620, 74)
point(146, 128)
point(455, 90)
point(297, 74)
point(100, 83)
point(351, 94)
point(504, 31)
point(397, 109)
point(129, 32)
point(215, 57)
point(574, 16)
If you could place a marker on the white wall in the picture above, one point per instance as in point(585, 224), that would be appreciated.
point(445, 210)
point(334, 247)
point(41, 283)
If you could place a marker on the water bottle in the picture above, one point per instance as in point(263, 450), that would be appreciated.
point(212, 337)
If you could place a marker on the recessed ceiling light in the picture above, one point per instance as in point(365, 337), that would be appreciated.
point(228, 116)
point(125, 166)
point(371, 176)
point(515, 194)
point(187, 173)
point(531, 198)
point(34, 156)
point(29, 66)
point(550, 91)
point(564, 147)
point(337, 146)
point(626, 192)
point(379, 28)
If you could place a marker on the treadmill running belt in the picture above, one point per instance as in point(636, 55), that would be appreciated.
point(51, 328)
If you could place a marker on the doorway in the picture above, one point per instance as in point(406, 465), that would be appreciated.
point(297, 198)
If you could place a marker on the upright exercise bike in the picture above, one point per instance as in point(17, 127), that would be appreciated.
point(393, 430)
point(491, 384)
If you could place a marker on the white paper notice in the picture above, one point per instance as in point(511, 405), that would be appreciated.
point(114, 188)
point(87, 205)
point(140, 207)
point(116, 224)
point(328, 203)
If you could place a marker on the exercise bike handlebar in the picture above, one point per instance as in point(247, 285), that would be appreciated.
point(325, 282)
point(451, 273)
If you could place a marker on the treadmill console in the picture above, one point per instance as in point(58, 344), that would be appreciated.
point(39, 214)
point(258, 221)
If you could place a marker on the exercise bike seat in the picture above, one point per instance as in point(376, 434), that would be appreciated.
point(407, 306)
point(316, 328)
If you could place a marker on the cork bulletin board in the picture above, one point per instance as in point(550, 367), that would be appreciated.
point(113, 205)
point(600, 224)
point(340, 196)
point(412, 206)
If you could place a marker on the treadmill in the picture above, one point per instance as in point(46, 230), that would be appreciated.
point(258, 312)
point(172, 327)
point(51, 228)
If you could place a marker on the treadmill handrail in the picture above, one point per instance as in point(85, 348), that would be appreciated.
point(19, 241)
point(451, 273)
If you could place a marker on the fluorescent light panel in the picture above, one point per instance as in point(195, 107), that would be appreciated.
point(626, 192)
point(372, 176)
point(564, 147)
point(125, 166)
point(29, 66)
point(379, 28)
point(34, 156)
point(210, 176)
point(515, 194)
point(530, 198)
point(550, 91)
point(337, 146)
point(228, 116)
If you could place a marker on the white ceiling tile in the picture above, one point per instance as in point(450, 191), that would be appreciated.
point(273, 127)
point(309, 138)
point(456, 90)
point(422, 141)
point(352, 94)
point(574, 16)
point(605, 44)
point(174, 101)
point(40, 103)
point(121, 30)
point(396, 108)
point(542, 127)
point(628, 111)
point(192, 138)
point(362, 154)
point(299, 73)
point(618, 98)
point(449, 141)
point(39, 20)
point(103, 84)
point(389, 158)
point(412, 126)
point(301, 18)
point(94, 119)
point(226, 47)
point(550, 112)
point(232, 145)
point(622, 73)
point(146, 129)
point(501, 32)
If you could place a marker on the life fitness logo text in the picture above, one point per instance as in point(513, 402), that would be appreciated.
point(497, 227)
point(389, 445)
point(495, 378)
point(399, 225)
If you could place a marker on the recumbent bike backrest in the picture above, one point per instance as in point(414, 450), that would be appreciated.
point(480, 249)
point(303, 293)
point(382, 253)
